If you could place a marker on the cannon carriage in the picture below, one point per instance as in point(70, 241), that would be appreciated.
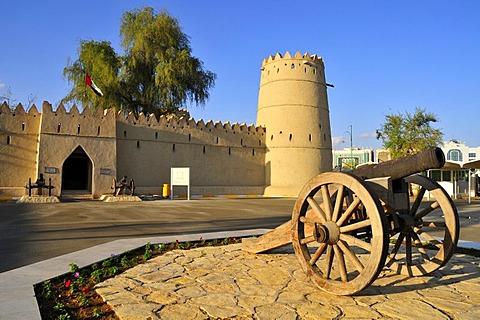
point(347, 226)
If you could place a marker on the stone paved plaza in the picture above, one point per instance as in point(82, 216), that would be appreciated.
point(227, 283)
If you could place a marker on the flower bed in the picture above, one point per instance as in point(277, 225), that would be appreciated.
point(73, 296)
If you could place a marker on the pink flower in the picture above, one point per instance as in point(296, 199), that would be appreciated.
point(76, 274)
point(67, 283)
point(176, 241)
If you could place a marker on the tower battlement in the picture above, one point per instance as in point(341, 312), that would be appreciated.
point(306, 58)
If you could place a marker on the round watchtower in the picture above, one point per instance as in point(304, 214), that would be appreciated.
point(293, 107)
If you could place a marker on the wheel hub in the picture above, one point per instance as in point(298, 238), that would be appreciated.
point(326, 233)
point(406, 222)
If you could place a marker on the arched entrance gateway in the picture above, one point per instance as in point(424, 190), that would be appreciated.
point(77, 173)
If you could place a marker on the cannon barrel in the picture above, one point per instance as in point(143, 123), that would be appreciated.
point(431, 158)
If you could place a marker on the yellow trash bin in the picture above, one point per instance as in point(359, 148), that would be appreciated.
point(166, 190)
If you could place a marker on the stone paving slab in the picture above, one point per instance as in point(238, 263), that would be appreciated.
point(227, 283)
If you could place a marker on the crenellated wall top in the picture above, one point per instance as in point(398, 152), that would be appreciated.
point(19, 110)
point(305, 58)
point(184, 121)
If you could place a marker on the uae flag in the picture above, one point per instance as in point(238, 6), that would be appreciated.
point(89, 82)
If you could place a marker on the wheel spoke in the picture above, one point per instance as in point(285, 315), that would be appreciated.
point(348, 213)
point(307, 240)
point(431, 239)
point(427, 210)
point(355, 226)
point(397, 246)
point(318, 253)
point(329, 258)
point(408, 246)
point(417, 202)
point(419, 245)
point(352, 241)
point(433, 224)
point(338, 203)
point(321, 214)
point(327, 201)
point(307, 220)
point(341, 263)
point(351, 255)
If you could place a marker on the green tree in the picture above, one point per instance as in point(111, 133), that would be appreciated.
point(157, 74)
point(404, 134)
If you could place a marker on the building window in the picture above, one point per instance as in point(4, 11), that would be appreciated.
point(454, 155)
point(436, 175)
point(472, 156)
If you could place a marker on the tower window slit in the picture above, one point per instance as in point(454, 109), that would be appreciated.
point(98, 130)
point(23, 126)
point(173, 148)
point(78, 129)
point(125, 133)
point(204, 150)
point(290, 137)
point(59, 126)
point(310, 137)
point(156, 135)
point(138, 144)
point(9, 140)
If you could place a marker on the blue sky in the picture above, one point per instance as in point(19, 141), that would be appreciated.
point(382, 56)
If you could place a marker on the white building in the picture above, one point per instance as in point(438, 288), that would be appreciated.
point(460, 175)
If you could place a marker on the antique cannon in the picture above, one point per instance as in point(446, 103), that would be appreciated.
point(346, 226)
point(122, 187)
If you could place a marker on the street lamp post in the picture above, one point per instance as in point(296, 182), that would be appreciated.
point(351, 146)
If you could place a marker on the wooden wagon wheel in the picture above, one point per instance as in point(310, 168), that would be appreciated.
point(429, 232)
point(339, 233)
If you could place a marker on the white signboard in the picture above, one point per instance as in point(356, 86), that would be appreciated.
point(180, 177)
